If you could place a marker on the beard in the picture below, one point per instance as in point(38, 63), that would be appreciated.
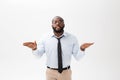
point(58, 31)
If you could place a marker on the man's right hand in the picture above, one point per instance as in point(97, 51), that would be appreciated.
point(32, 45)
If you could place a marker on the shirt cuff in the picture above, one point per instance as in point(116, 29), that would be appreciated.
point(79, 55)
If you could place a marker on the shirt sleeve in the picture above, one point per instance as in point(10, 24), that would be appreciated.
point(40, 49)
point(77, 53)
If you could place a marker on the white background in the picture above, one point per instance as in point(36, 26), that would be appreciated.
point(95, 21)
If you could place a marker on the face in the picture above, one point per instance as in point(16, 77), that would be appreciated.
point(58, 24)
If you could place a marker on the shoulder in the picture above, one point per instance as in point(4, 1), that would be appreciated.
point(69, 35)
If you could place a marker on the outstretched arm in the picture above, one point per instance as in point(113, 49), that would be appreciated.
point(32, 45)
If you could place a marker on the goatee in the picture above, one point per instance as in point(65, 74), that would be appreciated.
point(58, 31)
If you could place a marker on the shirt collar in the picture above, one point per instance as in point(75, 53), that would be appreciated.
point(64, 34)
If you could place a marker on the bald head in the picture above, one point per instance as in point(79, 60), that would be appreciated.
point(58, 17)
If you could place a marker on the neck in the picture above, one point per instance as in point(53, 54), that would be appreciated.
point(58, 34)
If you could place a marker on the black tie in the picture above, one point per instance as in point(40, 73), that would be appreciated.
point(59, 56)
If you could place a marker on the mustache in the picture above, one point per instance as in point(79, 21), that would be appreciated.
point(58, 31)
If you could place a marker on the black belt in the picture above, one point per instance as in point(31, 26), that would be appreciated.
point(57, 69)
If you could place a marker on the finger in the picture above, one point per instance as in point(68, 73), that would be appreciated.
point(92, 43)
point(27, 43)
point(30, 45)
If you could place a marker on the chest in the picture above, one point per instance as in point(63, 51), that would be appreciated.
point(66, 44)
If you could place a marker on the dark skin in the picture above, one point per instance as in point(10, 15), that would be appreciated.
point(58, 29)
point(58, 25)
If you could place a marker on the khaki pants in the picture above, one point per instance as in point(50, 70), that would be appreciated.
point(55, 75)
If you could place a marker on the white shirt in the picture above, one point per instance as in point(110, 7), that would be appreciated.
point(69, 46)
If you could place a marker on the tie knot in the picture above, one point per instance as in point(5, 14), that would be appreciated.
point(59, 38)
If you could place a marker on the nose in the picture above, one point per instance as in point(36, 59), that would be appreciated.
point(57, 22)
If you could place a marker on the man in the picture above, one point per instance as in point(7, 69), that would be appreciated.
point(59, 46)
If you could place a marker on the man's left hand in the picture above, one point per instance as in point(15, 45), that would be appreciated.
point(85, 45)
